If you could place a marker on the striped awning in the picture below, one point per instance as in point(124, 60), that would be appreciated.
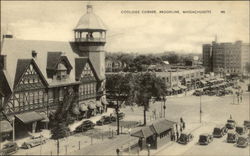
point(104, 100)
point(45, 118)
point(98, 104)
point(91, 105)
point(5, 126)
point(83, 107)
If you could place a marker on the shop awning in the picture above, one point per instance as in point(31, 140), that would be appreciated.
point(182, 87)
point(5, 126)
point(45, 118)
point(98, 104)
point(176, 88)
point(104, 100)
point(91, 105)
point(29, 117)
point(76, 110)
point(83, 107)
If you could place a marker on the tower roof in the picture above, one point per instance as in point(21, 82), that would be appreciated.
point(90, 21)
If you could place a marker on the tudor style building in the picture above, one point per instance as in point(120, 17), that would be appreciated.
point(35, 75)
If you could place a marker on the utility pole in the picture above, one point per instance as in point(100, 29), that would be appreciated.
point(164, 106)
point(200, 109)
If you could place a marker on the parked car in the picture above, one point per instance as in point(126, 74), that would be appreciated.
point(247, 124)
point(230, 124)
point(185, 137)
point(86, 125)
point(219, 131)
point(243, 141)
point(232, 137)
point(104, 120)
point(34, 141)
point(241, 130)
point(9, 148)
point(121, 115)
point(205, 139)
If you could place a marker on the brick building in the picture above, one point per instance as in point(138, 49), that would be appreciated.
point(226, 58)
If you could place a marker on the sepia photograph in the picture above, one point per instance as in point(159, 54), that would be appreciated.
point(124, 78)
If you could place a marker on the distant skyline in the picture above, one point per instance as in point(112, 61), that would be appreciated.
point(139, 33)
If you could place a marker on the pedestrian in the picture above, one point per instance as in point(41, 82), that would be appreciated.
point(174, 137)
point(177, 136)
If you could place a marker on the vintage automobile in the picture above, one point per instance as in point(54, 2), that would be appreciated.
point(219, 131)
point(247, 124)
point(241, 130)
point(205, 139)
point(230, 124)
point(104, 120)
point(185, 137)
point(232, 137)
point(9, 148)
point(243, 141)
point(34, 141)
point(86, 125)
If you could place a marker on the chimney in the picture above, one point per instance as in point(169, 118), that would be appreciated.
point(34, 54)
point(2, 62)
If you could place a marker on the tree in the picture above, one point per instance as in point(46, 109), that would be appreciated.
point(118, 89)
point(63, 115)
point(146, 86)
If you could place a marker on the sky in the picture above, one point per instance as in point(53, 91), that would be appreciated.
point(129, 32)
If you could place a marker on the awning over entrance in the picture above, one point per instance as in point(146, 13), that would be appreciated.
point(83, 107)
point(98, 104)
point(182, 87)
point(29, 117)
point(5, 126)
point(176, 88)
point(91, 105)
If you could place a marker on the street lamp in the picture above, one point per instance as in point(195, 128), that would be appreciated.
point(200, 109)
point(164, 106)
point(13, 128)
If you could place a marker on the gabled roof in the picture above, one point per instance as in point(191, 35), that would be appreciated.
point(80, 64)
point(22, 65)
point(15, 49)
point(5, 89)
point(161, 126)
point(143, 133)
point(54, 58)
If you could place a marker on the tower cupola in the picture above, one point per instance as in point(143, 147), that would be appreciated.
point(90, 28)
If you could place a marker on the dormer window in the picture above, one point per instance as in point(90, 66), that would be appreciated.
point(61, 72)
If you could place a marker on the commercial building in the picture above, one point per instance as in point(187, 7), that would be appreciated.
point(226, 58)
point(38, 76)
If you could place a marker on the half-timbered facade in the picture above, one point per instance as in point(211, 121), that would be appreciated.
point(35, 75)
